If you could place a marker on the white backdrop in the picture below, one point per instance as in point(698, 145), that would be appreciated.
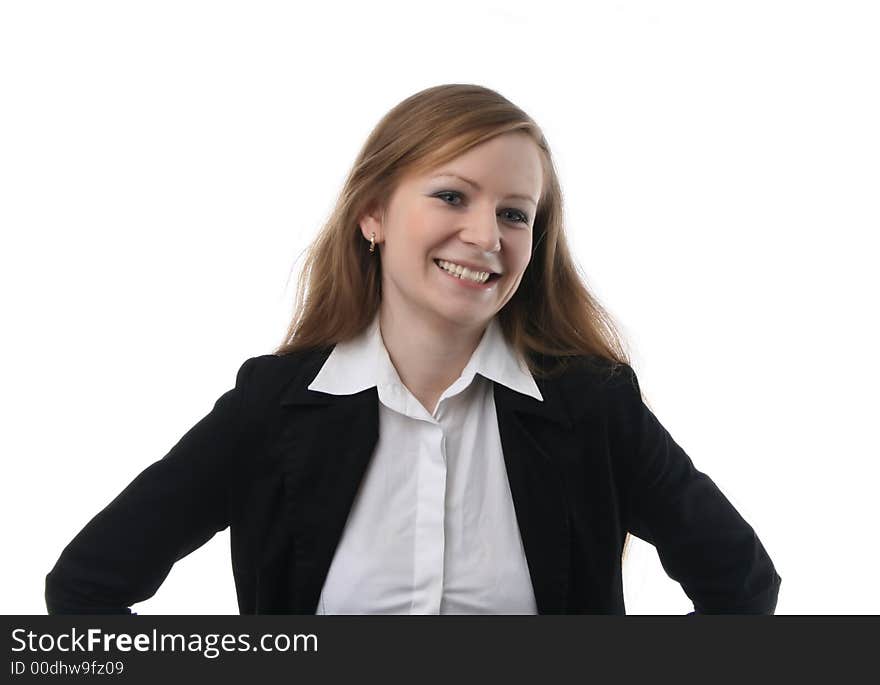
point(163, 164)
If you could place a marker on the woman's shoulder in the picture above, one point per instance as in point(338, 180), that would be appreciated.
point(587, 370)
point(592, 383)
point(267, 375)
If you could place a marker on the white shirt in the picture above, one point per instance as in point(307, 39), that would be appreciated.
point(432, 529)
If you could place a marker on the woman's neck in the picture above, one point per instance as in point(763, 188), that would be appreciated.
point(428, 354)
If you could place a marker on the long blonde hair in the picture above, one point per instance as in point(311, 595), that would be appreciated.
point(551, 318)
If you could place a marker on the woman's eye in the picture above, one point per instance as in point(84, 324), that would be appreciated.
point(520, 217)
point(447, 194)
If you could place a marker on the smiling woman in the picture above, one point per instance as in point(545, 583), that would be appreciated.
point(450, 424)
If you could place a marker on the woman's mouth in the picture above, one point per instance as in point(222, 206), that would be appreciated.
point(466, 277)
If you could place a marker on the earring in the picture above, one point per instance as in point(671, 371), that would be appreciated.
point(372, 242)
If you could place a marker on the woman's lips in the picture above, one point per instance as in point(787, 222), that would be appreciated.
point(488, 284)
point(470, 266)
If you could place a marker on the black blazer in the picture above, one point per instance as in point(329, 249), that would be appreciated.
point(280, 465)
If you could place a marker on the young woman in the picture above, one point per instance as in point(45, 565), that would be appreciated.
point(450, 426)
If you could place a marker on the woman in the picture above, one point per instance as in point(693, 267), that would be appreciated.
point(450, 426)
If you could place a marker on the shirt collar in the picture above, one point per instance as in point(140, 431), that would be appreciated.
point(363, 362)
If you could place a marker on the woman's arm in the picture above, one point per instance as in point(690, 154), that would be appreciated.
point(702, 541)
point(171, 508)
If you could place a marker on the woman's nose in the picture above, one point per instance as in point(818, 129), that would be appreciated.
point(482, 230)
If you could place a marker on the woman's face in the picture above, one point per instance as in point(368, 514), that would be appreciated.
point(438, 215)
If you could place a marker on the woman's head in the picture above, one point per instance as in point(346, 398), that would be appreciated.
point(475, 211)
point(543, 306)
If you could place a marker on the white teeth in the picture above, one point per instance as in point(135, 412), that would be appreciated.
point(463, 271)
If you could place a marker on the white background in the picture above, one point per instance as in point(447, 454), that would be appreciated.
point(163, 165)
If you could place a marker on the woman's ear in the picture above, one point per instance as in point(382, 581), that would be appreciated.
point(370, 222)
point(368, 225)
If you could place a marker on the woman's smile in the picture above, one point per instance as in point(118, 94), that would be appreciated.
point(467, 282)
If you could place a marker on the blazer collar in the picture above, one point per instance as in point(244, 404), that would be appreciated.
point(325, 446)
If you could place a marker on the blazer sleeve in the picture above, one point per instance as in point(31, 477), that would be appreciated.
point(171, 508)
point(703, 543)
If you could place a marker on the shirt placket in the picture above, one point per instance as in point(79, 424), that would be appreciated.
point(430, 521)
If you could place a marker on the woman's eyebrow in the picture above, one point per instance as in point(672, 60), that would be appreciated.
point(479, 187)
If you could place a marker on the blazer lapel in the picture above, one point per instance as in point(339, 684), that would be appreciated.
point(325, 446)
point(534, 438)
